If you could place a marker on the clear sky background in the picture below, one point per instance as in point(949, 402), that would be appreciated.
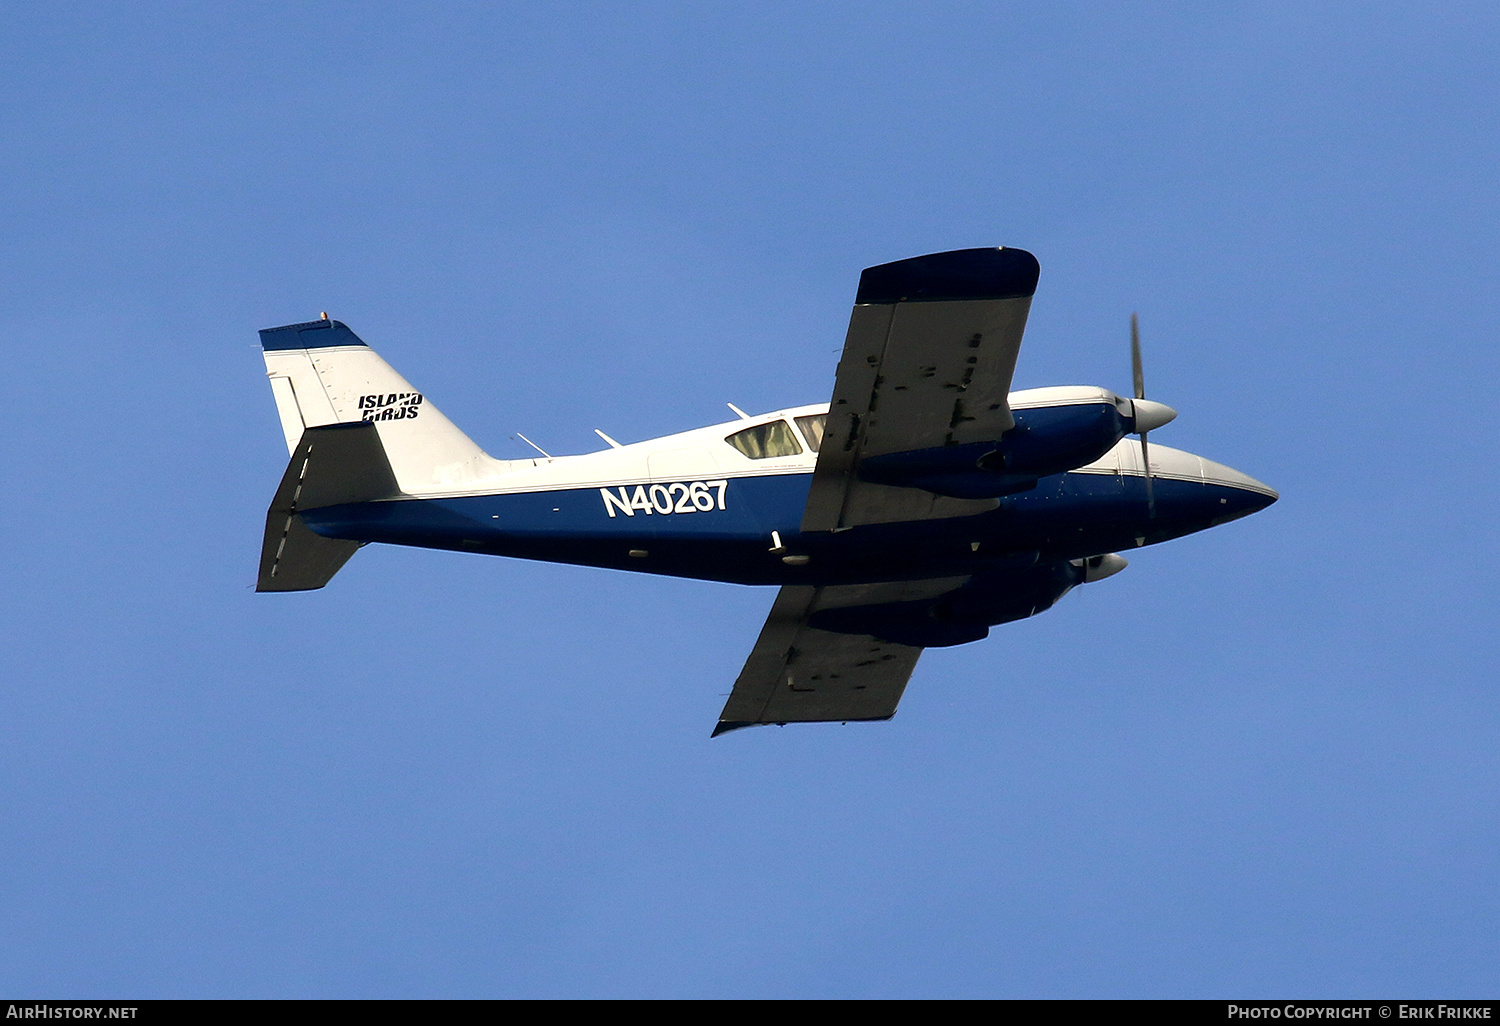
point(1263, 761)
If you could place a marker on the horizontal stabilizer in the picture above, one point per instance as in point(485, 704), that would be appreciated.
point(331, 465)
point(293, 558)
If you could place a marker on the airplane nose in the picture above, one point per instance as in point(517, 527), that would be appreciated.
point(1251, 495)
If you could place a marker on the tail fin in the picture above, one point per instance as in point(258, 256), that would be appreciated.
point(322, 373)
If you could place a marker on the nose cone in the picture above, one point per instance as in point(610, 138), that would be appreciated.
point(1240, 494)
point(1151, 415)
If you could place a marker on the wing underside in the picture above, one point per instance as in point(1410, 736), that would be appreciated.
point(927, 364)
point(798, 673)
point(845, 652)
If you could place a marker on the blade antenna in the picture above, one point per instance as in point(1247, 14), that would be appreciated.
point(538, 448)
point(1138, 375)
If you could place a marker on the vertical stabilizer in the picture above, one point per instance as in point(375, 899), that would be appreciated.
point(322, 373)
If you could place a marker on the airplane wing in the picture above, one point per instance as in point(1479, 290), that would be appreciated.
point(799, 673)
point(845, 652)
point(927, 362)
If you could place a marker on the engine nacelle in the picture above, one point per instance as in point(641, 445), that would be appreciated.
point(1048, 438)
point(967, 613)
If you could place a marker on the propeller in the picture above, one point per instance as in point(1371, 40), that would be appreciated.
point(1148, 414)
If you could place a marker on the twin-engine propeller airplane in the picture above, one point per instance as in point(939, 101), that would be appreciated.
point(925, 504)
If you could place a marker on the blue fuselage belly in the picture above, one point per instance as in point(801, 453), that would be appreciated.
point(1066, 516)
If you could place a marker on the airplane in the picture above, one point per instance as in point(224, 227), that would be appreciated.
point(922, 505)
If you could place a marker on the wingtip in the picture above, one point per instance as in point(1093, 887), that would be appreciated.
point(725, 726)
point(962, 274)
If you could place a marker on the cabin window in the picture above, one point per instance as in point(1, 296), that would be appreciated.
point(812, 430)
point(766, 440)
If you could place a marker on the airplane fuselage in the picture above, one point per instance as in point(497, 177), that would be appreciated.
point(694, 505)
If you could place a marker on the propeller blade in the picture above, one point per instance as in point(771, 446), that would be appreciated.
point(1139, 374)
point(1135, 358)
point(1150, 492)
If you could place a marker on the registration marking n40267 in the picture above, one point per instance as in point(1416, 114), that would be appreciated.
point(666, 499)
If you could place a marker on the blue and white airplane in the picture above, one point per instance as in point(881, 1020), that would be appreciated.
point(921, 506)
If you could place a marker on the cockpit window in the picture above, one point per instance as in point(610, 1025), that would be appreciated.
point(766, 440)
point(812, 430)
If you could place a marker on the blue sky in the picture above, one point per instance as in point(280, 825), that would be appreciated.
point(1260, 762)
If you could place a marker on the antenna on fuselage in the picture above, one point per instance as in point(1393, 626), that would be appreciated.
point(736, 409)
point(529, 442)
point(613, 444)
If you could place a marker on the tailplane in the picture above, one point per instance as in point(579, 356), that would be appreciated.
point(330, 466)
